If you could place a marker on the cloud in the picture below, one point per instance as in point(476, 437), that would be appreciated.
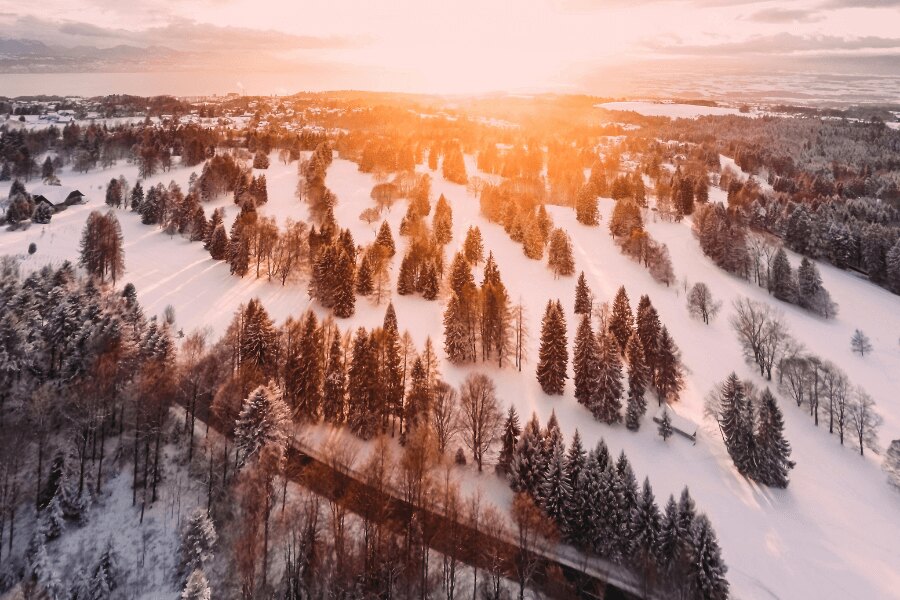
point(778, 44)
point(860, 3)
point(182, 35)
point(785, 15)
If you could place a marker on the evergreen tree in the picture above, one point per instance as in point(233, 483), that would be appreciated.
point(344, 277)
point(586, 205)
point(456, 336)
point(645, 533)
point(555, 489)
point(361, 416)
point(736, 424)
point(495, 313)
point(707, 570)
point(442, 222)
point(263, 420)
point(218, 244)
point(582, 296)
point(385, 240)
point(621, 321)
point(668, 545)
point(51, 521)
point(665, 425)
point(428, 282)
point(559, 254)
point(364, 285)
point(648, 330)
point(811, 295)
point(509, 440)
point(335, 384)
point(137, 197)
point(774, 450)
point(669, 379)
point(585, 362)
point(473, 247)
point(576, 458)
point(606, 401)
point(526, 473)
point(197, 587)
point(533, 240)
point(638, 378)
point(783, 285)
point(418, 398)
point(392, 364)
point(553, 353)
point(406, 279)
point(197, 540)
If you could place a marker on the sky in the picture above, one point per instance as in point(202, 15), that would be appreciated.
point(465, 46)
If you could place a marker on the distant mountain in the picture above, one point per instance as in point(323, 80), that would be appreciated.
point(32, 56)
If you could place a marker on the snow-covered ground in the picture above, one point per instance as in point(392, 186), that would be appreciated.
point(831, 534)
point(669, 109)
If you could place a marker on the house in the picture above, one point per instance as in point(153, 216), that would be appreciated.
point(57, 196)
point(680, 425)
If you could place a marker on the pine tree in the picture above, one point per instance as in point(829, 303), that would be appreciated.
point(526, 472)
point(218, 244)
point(707, 570)
point(533, 241)
point(473, 247)
point(197, 587)
point(263, 420)
point(428, 282)
point(344, 277)
point(442, 222)
point(585, 362)
point(668, 545)
point(418, 398)
point(555, 488)
point(364, 285)
point(648, 330)
point(553, 353)
point(385, 240)
point(665, 425)
point(495, 313)
point(783, 285)
point(360, 384)
point(406, 279)
point(576, 458)
point(456, 336)
point(508, 441)
point(621, 321)
point(606, 402)
point(582, 296)
point(586, 205)
point(638, 378)
point(669, 379)
point(335, 385)
point(392, 364)
point(645, 532)
point(559, 254)
point(736, 424)
point(197, 540)
point(51, 519)
point(773, 449)
point(811, 295)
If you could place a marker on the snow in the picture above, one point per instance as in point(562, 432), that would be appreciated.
point(669, 109)
point(831, 534)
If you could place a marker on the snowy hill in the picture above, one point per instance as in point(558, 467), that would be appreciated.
point(831, 534)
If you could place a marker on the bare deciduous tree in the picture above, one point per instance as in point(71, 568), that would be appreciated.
point(762, 333)
point(481, 419)
point(863, 420)
point(701, 303)
point(444, 414)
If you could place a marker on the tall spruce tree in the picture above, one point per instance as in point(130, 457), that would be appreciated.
point(706, 576)
point(585, 362)
point(335, 384)
point(582, 296)
point(638, 378)
point(773, 449)
point(508, 440)
point(606, 401)
point(526, 473)
point(783, 285)
point(648, 330)
point(668, 377)
point(553, 355)
point(621, 321)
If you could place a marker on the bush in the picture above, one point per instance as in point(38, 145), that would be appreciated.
point(460, 457)
point(32, 248)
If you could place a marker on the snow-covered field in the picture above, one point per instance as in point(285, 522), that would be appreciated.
point(669, 109)
point(833, 533)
